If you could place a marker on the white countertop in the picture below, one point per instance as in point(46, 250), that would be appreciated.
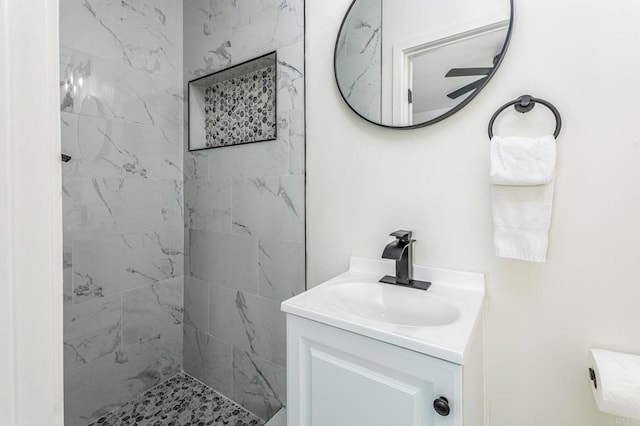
point(449, 342)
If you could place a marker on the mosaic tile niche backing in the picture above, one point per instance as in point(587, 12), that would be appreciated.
point(241, 109)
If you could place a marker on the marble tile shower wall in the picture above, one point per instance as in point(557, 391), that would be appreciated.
point(244, 210)
point(121, 103)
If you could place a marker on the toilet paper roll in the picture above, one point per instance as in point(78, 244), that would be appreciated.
point(618, 383)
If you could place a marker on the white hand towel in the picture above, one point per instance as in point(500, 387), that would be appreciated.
point(523, 161)
point(522, 175)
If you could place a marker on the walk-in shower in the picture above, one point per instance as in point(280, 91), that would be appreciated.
point(176, 261)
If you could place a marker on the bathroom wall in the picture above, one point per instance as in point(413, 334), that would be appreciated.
point(365, 181)
point(244, 210)
point(121, 103)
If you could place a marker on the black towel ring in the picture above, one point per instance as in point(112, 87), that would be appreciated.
point(526, 103)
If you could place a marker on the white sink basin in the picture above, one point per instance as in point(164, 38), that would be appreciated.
point(392, 304)
point(438, 322)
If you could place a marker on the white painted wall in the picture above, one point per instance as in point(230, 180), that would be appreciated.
point(30, 216)
point(365, 181)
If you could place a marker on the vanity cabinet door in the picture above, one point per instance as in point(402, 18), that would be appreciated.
point(338, 378)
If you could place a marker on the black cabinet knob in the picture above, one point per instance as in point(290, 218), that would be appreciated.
point(441, 405)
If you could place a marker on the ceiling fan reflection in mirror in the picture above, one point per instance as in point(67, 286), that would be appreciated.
point(471, 72)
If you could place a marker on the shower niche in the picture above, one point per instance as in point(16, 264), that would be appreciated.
point(234, 106)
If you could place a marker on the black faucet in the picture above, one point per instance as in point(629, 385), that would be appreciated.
point(401, 250)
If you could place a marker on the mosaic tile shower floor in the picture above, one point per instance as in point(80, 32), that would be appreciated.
point(180, 401)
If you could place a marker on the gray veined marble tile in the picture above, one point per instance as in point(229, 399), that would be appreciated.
point(109, 266)
point(268, 158)
point(220, 34)
point(207, 205)
point(216, 58)
point(196, 165)
point(296, 139)
point(154, 13)
point(153, 152)
point(87, 84)
point(208, 359)
point(86, 318)
point(269, 207)
point(104, 20)
point(291, 78)
point(156, 166)
point(260, 26)
point(197, 31)
point(196, 21)
point(208, 26)
point(154, 42)
point(84, 210)
point(91, 331)
point(196, 303)
point(258, 385)
point(249, 322)
point(282, 269)
point(149, 310)
point(166, 353)
point(141, 34)
point(95, 145)
point(99, 207)
point(147, 99)
point(67, 274)
point(110, 148)
point(101, 386)
point(224, 259)
point(143, 139)
point(187, 244)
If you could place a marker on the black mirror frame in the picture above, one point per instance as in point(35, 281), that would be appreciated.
point(443, 116)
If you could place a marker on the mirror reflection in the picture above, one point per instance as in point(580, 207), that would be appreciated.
point(410, 63)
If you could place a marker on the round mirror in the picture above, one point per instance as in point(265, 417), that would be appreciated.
point(411, 63)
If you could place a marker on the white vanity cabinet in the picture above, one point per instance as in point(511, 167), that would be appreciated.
point(338, 378)
point(361, 353)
